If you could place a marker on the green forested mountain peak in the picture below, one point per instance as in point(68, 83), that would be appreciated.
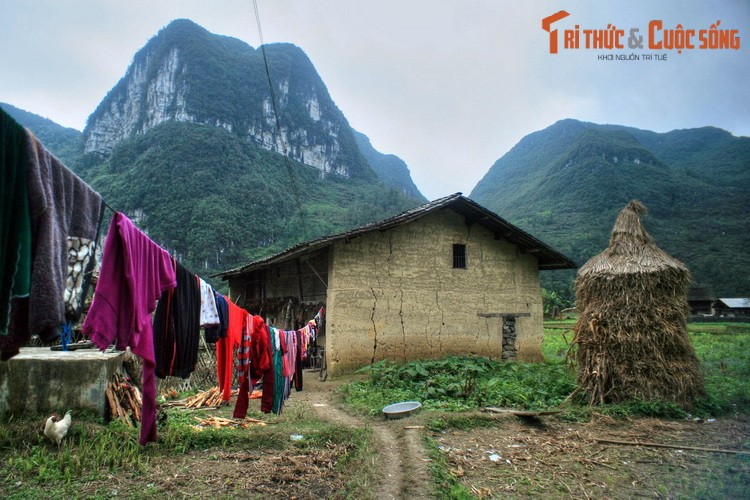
point(187, 74)
point(217, 201)
point(64, 141)
point(567, 183)
point(186, 144)
point(389, 168)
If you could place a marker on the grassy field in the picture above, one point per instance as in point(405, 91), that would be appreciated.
point(335, 461)
point(559, 456)
point(461, 383)
point(102, 461)
point(722, 348)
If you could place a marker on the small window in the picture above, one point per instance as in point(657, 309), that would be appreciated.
point(459, 256)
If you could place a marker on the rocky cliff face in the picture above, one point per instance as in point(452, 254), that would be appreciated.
point(187, 74)
point(143, 104)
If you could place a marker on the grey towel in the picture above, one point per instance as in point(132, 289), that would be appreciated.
point(65, 216)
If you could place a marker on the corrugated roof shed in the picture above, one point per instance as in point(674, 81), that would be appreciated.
point(741, 303)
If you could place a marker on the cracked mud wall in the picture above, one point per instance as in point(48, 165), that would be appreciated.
point(394, 294)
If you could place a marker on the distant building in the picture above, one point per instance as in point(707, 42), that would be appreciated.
point(448, 277)
point(733, 307)
point(701, 301)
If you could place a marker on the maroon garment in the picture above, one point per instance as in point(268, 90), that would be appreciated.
point(135, 272)
point(243, 399)
point(261, 355)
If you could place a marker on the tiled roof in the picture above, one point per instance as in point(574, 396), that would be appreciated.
point(472, 211)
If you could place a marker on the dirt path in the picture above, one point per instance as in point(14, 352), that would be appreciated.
point(401, 457)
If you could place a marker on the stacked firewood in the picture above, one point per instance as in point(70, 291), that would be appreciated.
point(124, 400)
point(219, 422)
point(211, 397)
point(206, 399)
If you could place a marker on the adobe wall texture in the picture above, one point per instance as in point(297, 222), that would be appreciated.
point(394, 294)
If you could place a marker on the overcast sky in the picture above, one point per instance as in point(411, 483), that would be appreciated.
point(448, 86)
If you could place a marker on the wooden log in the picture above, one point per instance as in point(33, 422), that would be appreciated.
point(111, 401)
point(134, 406)
point(137, 393)
point(121, 411)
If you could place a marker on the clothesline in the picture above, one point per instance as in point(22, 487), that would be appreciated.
point(44, 278)
point(137, 278)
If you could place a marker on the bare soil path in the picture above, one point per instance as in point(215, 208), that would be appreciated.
point(401, 460)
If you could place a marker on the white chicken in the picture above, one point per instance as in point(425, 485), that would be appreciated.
point(56, 429)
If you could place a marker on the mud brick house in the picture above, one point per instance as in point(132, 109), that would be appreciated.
point(448, 277)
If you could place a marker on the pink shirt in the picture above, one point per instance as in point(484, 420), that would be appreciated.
point(134, 273)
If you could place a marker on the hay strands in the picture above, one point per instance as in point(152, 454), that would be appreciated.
point(673, 446)
point(124, 400)
point(219, 422)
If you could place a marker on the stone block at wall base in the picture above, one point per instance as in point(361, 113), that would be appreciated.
point(41, 381)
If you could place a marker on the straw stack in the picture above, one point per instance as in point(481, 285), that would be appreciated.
point(631, 337)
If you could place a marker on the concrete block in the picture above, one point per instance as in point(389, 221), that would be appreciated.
point(39, 380)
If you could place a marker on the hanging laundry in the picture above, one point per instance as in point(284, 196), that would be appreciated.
point(209, 312)
point(225, 348)
point(269, 376)
point(289, 361)
point(279, 384)
point(213, 333)
point(135, 272)
point(15, 227)
point(261, 355)
point(305, 335)
point(259, 364)
point(301, 348)
point(176, 326)
point(319, 319)
point(242, 367)
point(65, 216)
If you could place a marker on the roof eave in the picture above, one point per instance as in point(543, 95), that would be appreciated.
point(547, 257)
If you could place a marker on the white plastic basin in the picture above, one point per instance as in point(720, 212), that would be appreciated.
point(401, 410)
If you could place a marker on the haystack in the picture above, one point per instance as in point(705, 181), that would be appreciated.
point(631, 336)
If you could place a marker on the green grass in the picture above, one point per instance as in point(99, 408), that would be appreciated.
point(724, 352)
point(461, 383)
point(93, 450)
point(457, 384)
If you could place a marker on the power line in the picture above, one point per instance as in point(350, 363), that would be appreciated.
point(284, 150)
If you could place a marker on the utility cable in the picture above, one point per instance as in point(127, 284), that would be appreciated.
point(284, 150)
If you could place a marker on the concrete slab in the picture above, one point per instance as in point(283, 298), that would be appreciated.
point(39, 380)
